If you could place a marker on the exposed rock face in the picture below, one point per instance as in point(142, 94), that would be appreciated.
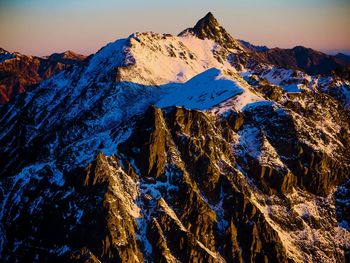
point(178, 190)
point(209, 28)
point(93, 213)
point(92, 171)
point(18, 72)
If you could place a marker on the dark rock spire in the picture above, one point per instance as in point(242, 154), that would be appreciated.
point(209, 28)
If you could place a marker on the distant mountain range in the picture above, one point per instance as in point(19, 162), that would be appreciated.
point(162, 148)
point(19, 72)
point(343, 58)
point(301, 58)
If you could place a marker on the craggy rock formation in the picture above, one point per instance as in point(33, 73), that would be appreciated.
point(179, 189)
point(111, 161)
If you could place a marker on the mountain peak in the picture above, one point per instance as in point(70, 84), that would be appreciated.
point(208, 27)
point(208, 19)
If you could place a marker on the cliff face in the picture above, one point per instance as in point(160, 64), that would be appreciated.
point(184, 187)
point(176, 149)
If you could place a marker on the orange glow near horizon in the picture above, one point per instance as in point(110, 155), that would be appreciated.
point(36, 27)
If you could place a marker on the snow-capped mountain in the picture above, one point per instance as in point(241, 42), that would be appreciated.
point(187, 148)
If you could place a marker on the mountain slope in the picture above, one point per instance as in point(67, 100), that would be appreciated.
point(176, 149)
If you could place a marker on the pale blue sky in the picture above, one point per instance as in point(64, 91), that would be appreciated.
point(41, 27)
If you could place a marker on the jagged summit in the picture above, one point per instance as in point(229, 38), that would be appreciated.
point(208, 27)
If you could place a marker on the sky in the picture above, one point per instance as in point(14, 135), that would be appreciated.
point(42, 27)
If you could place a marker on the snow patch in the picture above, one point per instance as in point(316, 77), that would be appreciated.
point(201, 92)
